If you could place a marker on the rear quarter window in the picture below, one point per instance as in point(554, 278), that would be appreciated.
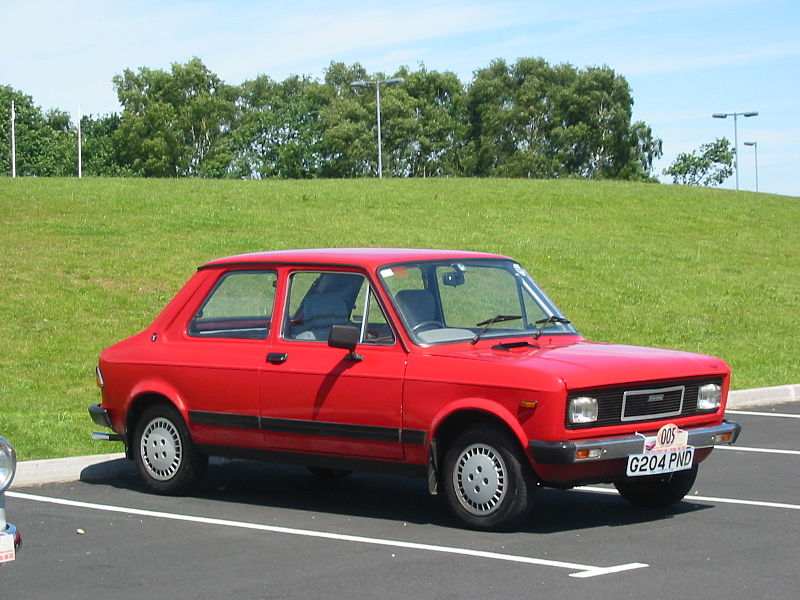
point(239, 306)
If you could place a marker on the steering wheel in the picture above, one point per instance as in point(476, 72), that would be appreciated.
point(419, 326)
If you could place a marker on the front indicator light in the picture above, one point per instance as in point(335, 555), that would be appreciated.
point(582, 409)
point(98, 377)
point(709, 397)
point(528, 404)
point(722, 438)
point(588, 453)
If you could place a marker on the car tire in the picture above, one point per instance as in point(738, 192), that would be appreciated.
point(487, 480)
point(164, 452)
point(657, 491)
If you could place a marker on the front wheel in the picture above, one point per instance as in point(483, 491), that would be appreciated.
point(164, 452)
point(487, 480)
point(657, 491)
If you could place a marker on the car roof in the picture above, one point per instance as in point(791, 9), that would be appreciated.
point(370, 258)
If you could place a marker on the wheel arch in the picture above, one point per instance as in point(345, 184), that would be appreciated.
point(142, 400)
point(449, 423)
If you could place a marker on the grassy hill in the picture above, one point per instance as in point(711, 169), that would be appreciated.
point(88, 262)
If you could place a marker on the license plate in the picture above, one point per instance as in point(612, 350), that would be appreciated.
point(6, 548)
point(660, 462)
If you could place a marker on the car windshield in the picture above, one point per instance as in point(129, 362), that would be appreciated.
point(470, 300)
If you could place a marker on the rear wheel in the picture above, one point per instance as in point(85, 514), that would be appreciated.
point(164, 452)
point(487, 480)
point(657, 491)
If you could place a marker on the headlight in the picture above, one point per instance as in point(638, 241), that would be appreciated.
point(8, 464)
point(709, 396)
point(582, 409)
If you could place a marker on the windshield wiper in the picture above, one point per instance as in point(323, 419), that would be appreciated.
point(542, 323)
point(489, 322)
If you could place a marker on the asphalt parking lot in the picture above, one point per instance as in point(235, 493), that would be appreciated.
point(266, 531)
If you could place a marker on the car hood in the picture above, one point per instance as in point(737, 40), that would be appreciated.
point(582, 364)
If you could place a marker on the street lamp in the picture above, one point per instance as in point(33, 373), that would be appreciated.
point(377, 83)
point(751, 113)
point(755, 147)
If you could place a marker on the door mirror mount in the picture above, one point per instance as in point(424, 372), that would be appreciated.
point(345, 337)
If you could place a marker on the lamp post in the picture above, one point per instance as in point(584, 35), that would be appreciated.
point(80, 145)
point(378, 83)
point(755, 148)
point(751, 113)
point(13, 140)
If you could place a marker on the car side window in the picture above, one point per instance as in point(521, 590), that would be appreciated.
point(240, 306)
point(319, 300)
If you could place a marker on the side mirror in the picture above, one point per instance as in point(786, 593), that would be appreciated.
point(345, 337)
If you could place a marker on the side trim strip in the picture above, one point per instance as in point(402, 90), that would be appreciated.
point(413, 437)
point(343, 430)
point(318, 460)
point(215, 419)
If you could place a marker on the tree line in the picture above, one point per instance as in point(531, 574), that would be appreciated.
point(521, 119)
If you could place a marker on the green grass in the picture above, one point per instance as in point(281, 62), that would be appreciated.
point(86, 263)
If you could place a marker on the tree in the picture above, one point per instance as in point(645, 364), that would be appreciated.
point(175, 123)
point(599, 139)
point(348, 119)
point(46, 143)
point(531, 119)
point(279, 129)
point(710, 165)
point(526, 119)
point(100, 153)
point(426, 125)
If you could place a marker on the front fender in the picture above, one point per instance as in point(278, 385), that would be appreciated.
point(480, 405)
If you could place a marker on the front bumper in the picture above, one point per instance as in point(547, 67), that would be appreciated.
point(568, 452)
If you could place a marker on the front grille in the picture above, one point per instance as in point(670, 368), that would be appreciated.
point(642, 402)
point(645, 405)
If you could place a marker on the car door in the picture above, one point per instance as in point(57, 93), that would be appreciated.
point(215, 364)
point(322, 400)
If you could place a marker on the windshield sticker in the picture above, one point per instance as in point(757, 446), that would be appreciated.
point(400, 271)
point(386, 273)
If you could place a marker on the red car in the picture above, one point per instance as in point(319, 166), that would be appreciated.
point(448, 365)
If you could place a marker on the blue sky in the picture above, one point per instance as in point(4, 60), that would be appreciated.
point(684, 59)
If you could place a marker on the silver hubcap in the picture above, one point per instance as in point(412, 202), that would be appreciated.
point(479, 479)
point(161, 449)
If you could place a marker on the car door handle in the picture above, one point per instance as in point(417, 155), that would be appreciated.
point(277, 358)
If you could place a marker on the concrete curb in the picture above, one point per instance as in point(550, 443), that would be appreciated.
point(106, 466)
point(764, 396)
point(83, 468)
point(60, 470)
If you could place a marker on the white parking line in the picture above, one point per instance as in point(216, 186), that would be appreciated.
point(764, 450)
point(762, 414)
point(581, 571)
point(705, 499)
